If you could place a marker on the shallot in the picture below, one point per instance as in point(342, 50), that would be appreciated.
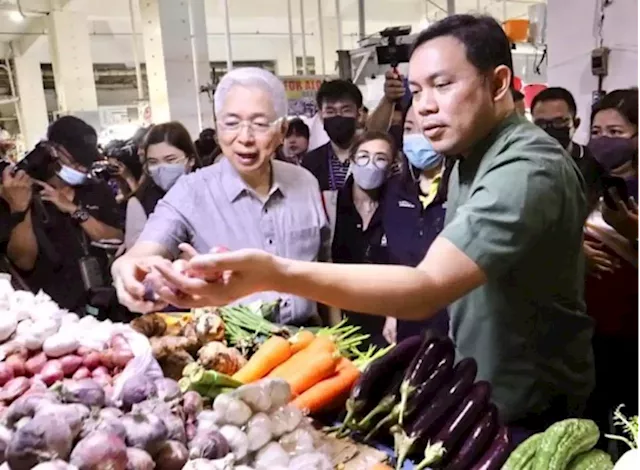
point(70, 364)
point(14, 388)
point(35, 363)
point(100, 450)
point(92, 360)
point(171, 455)
point(16, 362)
point(51, 372)
point(81, 373)
point(192, 404)
point(6, 373)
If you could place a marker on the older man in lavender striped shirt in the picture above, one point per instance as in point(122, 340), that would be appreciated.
point(248, 200)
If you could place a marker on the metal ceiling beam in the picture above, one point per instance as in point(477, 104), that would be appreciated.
point(34, 29)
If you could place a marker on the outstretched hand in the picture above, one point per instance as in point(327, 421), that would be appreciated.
point(216, 279)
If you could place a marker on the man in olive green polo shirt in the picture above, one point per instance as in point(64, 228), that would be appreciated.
point(508, 263)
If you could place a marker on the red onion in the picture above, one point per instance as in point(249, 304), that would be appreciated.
point(99, 451)
point(139, 460)
point(167, 389)
point(137, 389)
point(42, 438)
point(16, 362)
point(70, 364)
point(192, 404)
point(51, 372)
point(6, 373)
point(171, 455)
point(85, 391)
point(144, 431)
point(26, 406)
point(121, 358)
point(14, 388)
point(35, 364)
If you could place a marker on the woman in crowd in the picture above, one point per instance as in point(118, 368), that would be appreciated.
point(611, 245)
point(296, 142)
point(414, 213)
point(359, 234)
point(167, 153)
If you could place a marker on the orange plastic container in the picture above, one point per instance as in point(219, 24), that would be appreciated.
point(517, 30)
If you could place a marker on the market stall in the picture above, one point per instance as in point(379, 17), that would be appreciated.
point(227, 388)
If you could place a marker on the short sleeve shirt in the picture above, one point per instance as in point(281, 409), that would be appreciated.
point(214, 207)
point(516, 206)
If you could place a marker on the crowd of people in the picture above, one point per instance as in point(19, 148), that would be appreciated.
point(449, 211)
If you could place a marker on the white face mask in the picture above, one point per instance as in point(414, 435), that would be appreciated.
point(369, 176)
point(71, 176)
point(165, 175)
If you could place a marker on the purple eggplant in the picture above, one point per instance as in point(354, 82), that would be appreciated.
point(433, 351)
point(449, 397)
point(497, 453)
point(438, 378)
point(370, 387)
point(459, 422)
point(387, 402)
point(476, 442)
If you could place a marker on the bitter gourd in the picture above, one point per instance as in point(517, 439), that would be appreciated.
point(564, 440)
point(593, 460)
point(522, 458)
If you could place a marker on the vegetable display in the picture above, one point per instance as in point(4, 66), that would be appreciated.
point(433, 408)
point(631, 438)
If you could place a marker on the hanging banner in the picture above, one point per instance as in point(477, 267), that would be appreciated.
point(301, 94)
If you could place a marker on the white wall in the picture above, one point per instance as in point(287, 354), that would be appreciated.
point(571, 37)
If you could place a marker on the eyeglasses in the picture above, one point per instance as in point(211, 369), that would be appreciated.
point(257, 126)
point(380, 160)
point(557, 123)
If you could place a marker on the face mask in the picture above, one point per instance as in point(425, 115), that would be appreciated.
point(612, 152)
point(71, 176)
point(369, 176)
point(165, 175)
point(419, 152)
point(562, 135)
point(340, 130)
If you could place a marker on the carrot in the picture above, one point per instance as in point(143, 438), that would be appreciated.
point(323, 343)
point(301, 340)
point(326, 392)
point(320, 365)
point(273, 352)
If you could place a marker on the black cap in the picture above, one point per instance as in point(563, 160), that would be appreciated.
point(77, 137)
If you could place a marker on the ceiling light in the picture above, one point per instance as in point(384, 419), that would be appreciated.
point(16, 16)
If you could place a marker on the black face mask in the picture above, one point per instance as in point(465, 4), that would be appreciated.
point(340, 130)
point(562, 135)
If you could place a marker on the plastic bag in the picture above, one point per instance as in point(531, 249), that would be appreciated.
point(143, 363)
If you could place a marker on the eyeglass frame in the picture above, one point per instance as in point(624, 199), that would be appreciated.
point(388, 160)
point(251, 125)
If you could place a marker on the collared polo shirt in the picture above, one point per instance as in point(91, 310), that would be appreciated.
point(215, 207)
point(516, 206)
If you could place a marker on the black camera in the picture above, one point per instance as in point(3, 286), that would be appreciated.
point(103, 170)
point(37, 163)
point(122, 150)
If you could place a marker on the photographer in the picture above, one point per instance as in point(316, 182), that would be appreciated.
point(55, 211)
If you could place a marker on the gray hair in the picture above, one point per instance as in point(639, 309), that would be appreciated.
point(252, 77)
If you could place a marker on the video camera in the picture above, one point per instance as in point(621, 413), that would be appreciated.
point(394, 53)
point(121, 150)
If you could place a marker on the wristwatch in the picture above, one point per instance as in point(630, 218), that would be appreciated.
point(80, 215)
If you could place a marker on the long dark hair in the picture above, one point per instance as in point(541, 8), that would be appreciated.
point(174, 134)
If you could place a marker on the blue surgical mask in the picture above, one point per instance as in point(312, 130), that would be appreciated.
point(369, 177)
point(165, 175)
point(71, 176)
point(420, 152)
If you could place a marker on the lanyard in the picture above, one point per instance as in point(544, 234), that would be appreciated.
point(333, 185)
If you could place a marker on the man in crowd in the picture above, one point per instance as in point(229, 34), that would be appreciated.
point(339, 105)
point(247, 200)
point(55, 211)
point(554, 110)
point(296, 141)
point(509, 261)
